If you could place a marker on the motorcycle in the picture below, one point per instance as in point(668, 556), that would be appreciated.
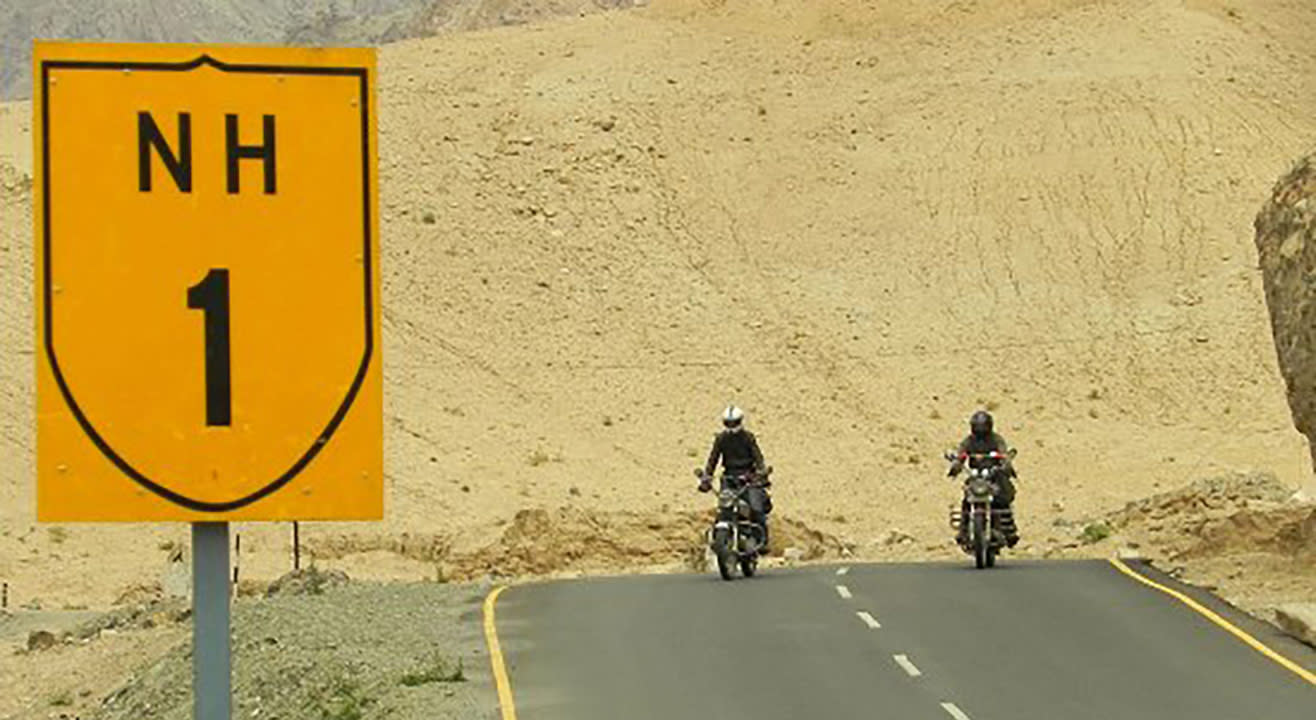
point(735, 538)
point(987, 524)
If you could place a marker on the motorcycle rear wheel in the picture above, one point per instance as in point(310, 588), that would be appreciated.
point(749, 566)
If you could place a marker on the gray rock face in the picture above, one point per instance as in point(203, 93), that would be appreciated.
point(1286, 244)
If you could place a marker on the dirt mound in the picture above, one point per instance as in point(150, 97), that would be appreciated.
point(1221, 494)
point(1239, 513)
point(1288, 532)
point(1286, 243)
point(539, 542)
point(1243, 535)
point(542, 541)
point(307, 581)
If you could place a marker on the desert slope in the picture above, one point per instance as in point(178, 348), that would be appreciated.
point(859, 223)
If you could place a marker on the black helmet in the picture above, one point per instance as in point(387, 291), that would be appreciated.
point(981, 424)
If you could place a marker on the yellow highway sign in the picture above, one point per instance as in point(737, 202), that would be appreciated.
point(207, 284)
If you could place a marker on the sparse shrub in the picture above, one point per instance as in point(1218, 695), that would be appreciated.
point(1095, 533)
point(436, 669)
point(63, 699)
point(342, 700)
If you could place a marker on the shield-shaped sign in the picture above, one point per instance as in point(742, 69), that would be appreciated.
point(207, 283)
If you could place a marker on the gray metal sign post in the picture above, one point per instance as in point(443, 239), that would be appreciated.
point(211, 679)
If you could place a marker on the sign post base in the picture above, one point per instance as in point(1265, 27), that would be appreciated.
point(211, 660)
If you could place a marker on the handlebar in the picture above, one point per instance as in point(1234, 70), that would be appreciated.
point(993, 455)
point(753, 478)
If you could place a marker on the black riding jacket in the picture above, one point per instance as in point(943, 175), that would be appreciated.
point(738, 451)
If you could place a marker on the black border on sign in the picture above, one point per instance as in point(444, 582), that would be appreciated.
point(323, 438)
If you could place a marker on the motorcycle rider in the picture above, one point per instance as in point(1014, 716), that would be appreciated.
point(982, 439)
point(738, 451)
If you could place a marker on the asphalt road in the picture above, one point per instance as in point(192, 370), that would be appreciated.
point(1025, 641)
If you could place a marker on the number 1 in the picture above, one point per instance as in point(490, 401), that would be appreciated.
point(211, 295)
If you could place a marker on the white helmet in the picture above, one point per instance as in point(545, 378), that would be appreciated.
point(733, 418)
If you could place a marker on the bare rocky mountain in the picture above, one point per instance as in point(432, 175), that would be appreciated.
point(314, 22)
point(236, 21)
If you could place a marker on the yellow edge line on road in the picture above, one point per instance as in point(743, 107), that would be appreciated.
point(496, 657)
point(1254, 643)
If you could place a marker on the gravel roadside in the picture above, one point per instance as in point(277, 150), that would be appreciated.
point(357, 651)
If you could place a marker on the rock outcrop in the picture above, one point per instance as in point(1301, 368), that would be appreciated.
point(1286, 244)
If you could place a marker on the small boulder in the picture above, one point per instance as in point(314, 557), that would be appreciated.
point(1298, 620)
point(39, 640)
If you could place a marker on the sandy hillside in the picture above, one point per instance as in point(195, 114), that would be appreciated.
point(856, 221)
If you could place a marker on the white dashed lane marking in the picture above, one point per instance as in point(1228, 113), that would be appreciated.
point(907, 666)
point(844, 592)
point(869, 620)
point(843, 571)
point(955, 712)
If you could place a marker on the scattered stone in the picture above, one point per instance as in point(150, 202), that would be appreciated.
point(793, 554)
point(895, 536)
point(39, 640)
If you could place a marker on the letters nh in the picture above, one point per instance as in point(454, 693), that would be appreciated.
point(177, 159)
